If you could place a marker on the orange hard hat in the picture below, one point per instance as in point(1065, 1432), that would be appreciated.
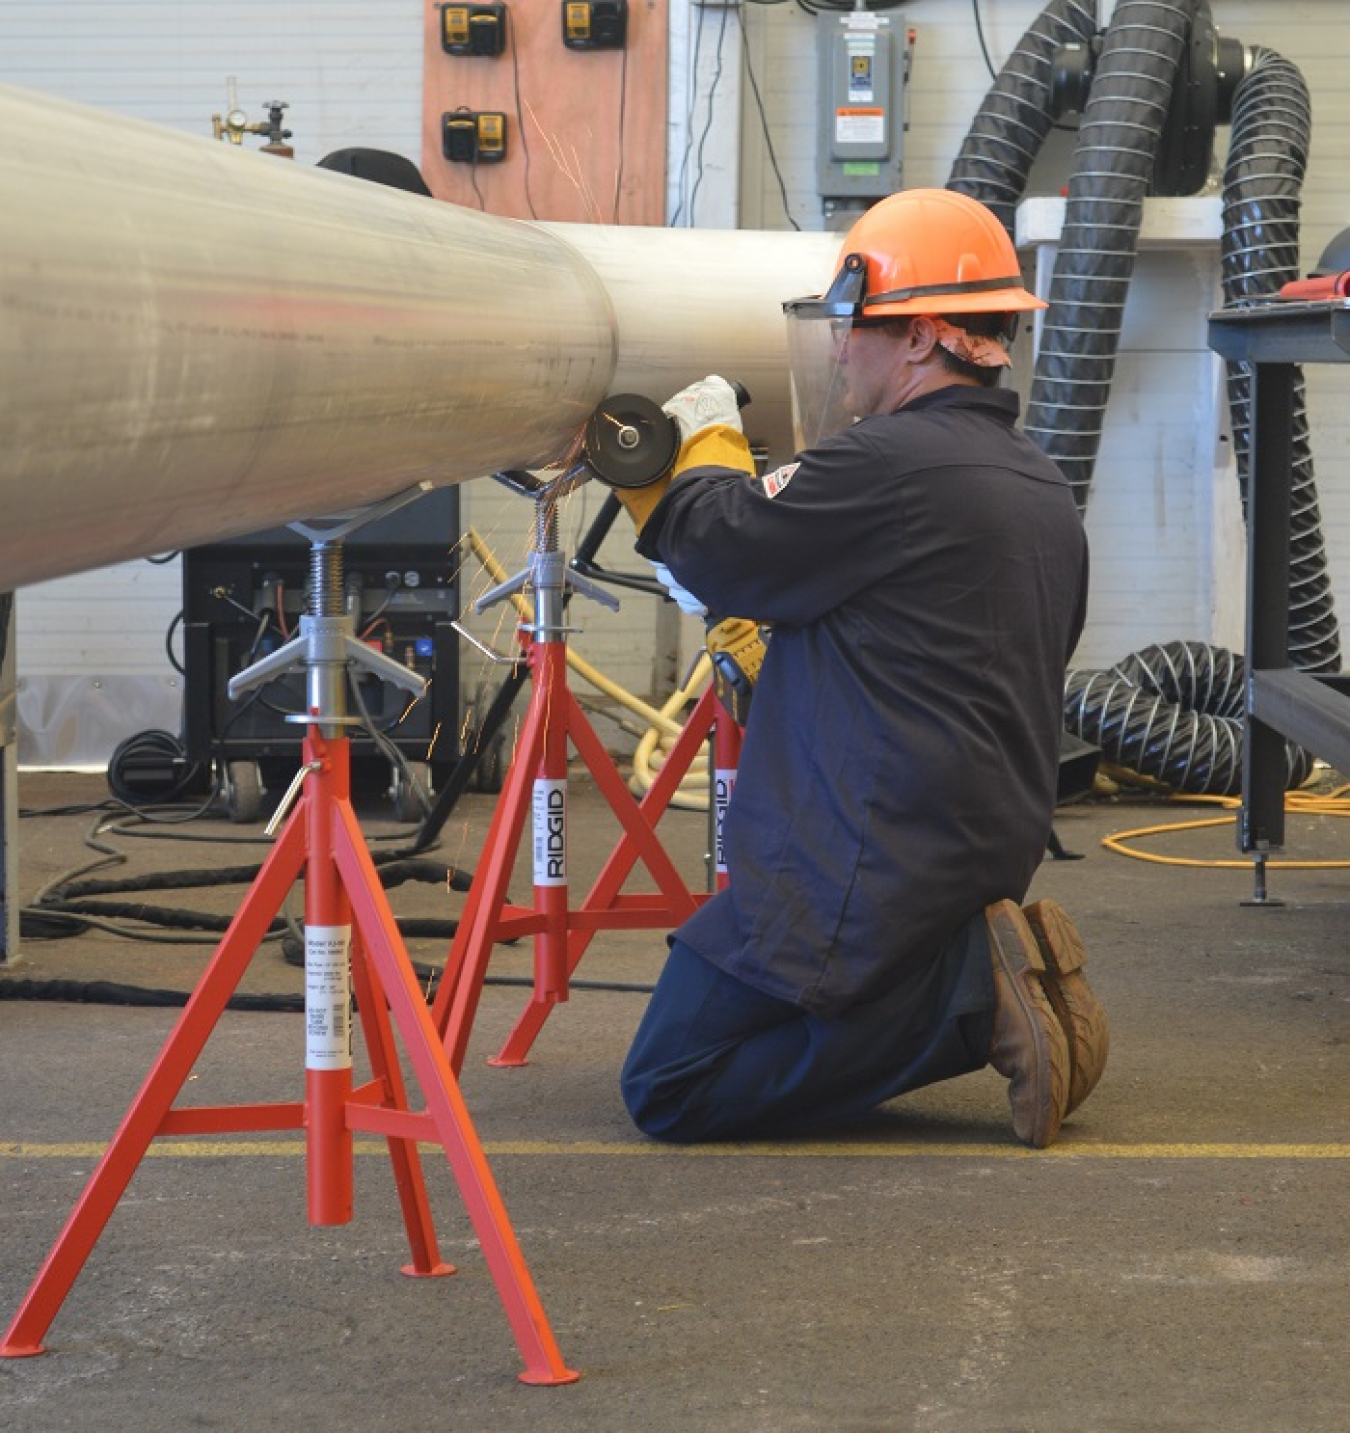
point(929, 251)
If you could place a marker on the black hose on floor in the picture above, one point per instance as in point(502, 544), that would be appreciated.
point(111, 992)
point(1174, 713)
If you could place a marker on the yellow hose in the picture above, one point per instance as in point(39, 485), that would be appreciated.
point(1297, 802)
point(692, 792)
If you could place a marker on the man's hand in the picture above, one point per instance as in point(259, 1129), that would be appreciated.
point(711, 402)
point(709, 423)
point(683, 599)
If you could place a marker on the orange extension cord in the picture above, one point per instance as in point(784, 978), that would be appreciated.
point(1302, 803)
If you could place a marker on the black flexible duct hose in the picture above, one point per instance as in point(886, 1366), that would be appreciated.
point(1171, 712)
point(1014, 118)
point(1263, 180)
point(1181, 725)
point(1174, 713)
point(1112, 172)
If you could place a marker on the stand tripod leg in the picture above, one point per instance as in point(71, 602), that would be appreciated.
point(328, 1035)
point(461, 984)
point(726, 743)
point(403, 1156)
point(445, 1107)
point(149, 1109)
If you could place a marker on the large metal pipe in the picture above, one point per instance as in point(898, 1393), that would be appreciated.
point(688, 302)
point(197, 340)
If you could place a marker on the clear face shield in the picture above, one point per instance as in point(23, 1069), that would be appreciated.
point(817, 335)
point(820, 403)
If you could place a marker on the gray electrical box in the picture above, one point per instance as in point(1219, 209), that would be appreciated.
point(864, 67)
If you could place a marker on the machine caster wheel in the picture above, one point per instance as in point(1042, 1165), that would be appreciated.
point(411, 790)
point(489, 770)
point(243, 791)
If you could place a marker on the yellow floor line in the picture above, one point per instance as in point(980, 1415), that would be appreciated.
point(170, 1148)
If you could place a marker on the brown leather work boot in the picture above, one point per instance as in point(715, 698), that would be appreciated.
point(1029, 1047)
point(1071, 997)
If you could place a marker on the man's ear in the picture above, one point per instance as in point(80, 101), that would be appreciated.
point(922, 336)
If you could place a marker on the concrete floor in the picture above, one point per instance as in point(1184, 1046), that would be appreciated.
point(1179, 1260)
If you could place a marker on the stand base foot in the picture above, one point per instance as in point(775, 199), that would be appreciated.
point(1273, 901)
point(437, 1271)
point(550, 1380)
point(21, 1350)
point(507, 1062)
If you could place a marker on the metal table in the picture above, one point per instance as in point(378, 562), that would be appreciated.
point(1313, 711)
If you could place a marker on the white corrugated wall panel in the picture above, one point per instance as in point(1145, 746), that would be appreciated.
point(350, 70)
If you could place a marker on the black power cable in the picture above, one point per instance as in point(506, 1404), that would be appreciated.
point(110, 992)
point(712, 110)
point(520, 117)
point(151, 769)
point(759, 107)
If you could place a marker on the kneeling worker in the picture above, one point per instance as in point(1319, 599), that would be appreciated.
point(924, 571)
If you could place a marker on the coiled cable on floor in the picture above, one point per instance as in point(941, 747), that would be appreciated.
point(1171, 712)
point(151, 768)
point(1263, 180)
point(1298, 803)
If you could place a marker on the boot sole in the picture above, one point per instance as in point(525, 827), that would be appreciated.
point(1035, 1122)
point(1071, 997)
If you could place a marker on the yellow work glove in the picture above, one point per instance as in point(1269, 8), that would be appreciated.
point(709, 420)
point(737, 651)
point(708, 416)
point(718, 446)
point(639, 502)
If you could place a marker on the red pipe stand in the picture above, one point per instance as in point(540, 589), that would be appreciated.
point(341, 887)
point(537, 784)
point(350, 937)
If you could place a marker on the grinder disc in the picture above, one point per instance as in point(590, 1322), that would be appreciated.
point(629, 442)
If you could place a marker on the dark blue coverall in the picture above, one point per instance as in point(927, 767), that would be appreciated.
point(925, 575)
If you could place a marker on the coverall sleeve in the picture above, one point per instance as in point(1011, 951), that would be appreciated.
point(787, 558)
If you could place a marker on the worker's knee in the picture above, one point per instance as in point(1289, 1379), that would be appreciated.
point(665, 1107)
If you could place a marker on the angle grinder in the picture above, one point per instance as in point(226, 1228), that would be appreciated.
point(629, 442)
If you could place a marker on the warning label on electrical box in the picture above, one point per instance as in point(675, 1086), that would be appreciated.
point(328, 998)
point(860, 125)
